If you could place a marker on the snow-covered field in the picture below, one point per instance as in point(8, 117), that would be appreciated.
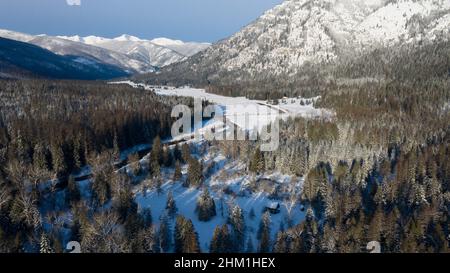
point(248, 114)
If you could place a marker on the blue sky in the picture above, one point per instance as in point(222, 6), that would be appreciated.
point(189, 20)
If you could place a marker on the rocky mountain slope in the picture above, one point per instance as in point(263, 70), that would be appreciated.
point(298, 34)
point(129, 53)
point(19, 59)
point(157, 52)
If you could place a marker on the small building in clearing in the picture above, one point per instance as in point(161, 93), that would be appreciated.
point(273, 207)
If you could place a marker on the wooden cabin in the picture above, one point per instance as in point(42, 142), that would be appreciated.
point(273, 207)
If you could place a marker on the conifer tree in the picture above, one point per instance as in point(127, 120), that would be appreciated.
point(165, 238)
point(73, 193)
point(308, 235)
point(58, 160)
point(167, 157)
point(101, 188)
point(77, 153)
point(116, 148)
point(185, 236)
point(45, 247)
point(156, 157)
point(39, 157)
point(22, 149)
point(195, 175)
point(281, 243)
point(214, 246)
point(237, 223)
point(221, 241)
point(177, 174)
point(206, 207)
point(177, 153)
point(264, 234)
point(147, 219)
point(257, 162)
point(185, 153)
point(171, 206)
point(147, 241)
point(134, 163)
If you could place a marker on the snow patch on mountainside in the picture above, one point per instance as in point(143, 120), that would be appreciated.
point(158, 52)
point(300, 32)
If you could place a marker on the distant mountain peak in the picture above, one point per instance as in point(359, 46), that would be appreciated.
point(166, 41)
point(127, 38)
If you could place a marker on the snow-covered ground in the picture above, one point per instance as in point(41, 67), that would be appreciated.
point(229, 184)
point(248, 114)
point(237, 193)
point(227, 180)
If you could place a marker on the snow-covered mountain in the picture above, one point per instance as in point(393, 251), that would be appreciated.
point(184, 48)
point(24, 60)
point(158, 52)
point(129, 53)
point(300, 32)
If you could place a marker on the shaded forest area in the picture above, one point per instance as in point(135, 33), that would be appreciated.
point(406, 63)
point(55, 125)
point(379, 171)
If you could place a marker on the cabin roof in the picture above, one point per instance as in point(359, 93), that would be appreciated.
point(273, 205)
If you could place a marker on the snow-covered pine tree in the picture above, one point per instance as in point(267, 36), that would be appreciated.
point(281, 243)
point(214, 246)
point(167, 157)
point(73, 193)
point(257, 162)
point(206, 207)
point(185, 153)
point(185, 236)
point(237, 223)
point(164, 232)
point(150, 240)
point(146, 215)
point(45, 247)
point(177, 173)
point(116, 147)
point(195, 173)
point(58, 160)
point(177, 153)
point(308, 235)
point(171, 206)
point(39, 157)
point(221, 241)
point(156, 157)
point(264, 234)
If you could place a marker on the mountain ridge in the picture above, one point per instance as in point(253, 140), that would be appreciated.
point(138, 56)
point(298, 34)
point(25, 60)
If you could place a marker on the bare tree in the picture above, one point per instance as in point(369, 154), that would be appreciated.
point(4, 195)
point(104, 234)
point(28, 211)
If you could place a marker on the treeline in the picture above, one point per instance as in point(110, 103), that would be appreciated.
point(403, 202)
point(378, 171)
point(48, 131)
point(408, 63)
point(54, 126)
